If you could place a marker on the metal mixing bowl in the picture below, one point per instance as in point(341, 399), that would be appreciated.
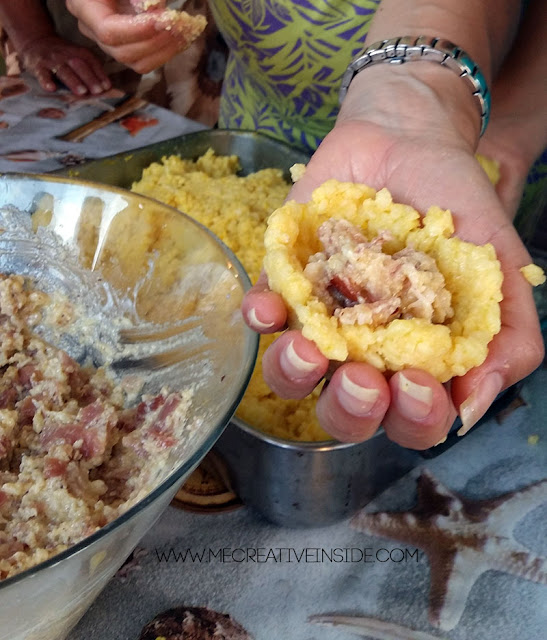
point(309, 484)
point(254, 150)
point(314, 484)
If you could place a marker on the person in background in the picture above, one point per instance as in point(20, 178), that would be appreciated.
point(42, 37)
point(413, 128)
point(30, 42)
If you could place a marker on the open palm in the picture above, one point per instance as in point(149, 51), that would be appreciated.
point(413, 407)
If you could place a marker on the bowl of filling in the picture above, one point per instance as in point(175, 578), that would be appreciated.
point(124, 355)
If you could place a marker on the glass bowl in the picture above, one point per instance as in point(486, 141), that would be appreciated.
point(90, 240)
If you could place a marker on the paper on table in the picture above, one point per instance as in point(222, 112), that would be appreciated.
point(35, 121)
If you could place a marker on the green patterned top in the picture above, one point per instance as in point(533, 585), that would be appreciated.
point(287, 58)
point(286, 62)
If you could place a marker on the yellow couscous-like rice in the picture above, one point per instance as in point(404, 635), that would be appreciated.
point(236, 208)
point(533, 274)
point(472, 275)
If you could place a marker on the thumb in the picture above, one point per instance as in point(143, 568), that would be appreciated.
point(109, 24)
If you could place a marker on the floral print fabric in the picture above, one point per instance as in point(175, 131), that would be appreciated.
point(287, 58)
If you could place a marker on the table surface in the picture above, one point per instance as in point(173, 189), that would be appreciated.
point(274, 599)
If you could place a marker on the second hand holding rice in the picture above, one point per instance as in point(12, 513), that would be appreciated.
point(183, 24)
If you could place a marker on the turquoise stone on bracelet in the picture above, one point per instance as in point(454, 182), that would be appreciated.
point(482, 93)
point(424, 49)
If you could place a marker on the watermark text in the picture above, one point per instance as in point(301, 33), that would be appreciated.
point(276, 555)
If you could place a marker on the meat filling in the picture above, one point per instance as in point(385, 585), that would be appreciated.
point(362, 285)
point(72, 456)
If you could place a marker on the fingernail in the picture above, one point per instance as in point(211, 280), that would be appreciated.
point(255, 323)
point(293, 365)
point(96, 88)
point(440, 441)
point(472, 409)
point(106, 85)
point(80, 90)
point(415, 401)
point(355, 399)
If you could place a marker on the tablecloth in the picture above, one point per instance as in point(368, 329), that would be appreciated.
point(274, 599)
point(32, 122)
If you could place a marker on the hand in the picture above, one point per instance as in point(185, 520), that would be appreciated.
point(134, 38)
point(50, 58)
point(424, 154)
point(507, 143)
point(517, 133)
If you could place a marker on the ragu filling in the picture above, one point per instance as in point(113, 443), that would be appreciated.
point(72, 456)
point(362, 285)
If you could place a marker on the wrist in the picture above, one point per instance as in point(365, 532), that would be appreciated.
point(515, 143)
point(485, 30)
point(29, 39)
point(436, 102)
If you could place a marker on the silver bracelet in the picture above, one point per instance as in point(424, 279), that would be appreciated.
point(416, 48)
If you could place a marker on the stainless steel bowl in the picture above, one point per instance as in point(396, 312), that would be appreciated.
point(314, 484)
point(309, 484)
point(254, 150)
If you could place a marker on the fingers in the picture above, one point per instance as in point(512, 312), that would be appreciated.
point(352, 406)
point(75, 73)
point(264, 311)
point(413, 407)
point(90, 72)
point(293, 366)
point(147, 55)
point(72, 80)
point(45, 79)
point(54, 59)
point(513, 354)
point(143, 42)
point(100, 21)
point(420, 413)
point(142, 55)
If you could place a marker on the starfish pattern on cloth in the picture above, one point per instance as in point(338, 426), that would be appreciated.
point(463, 538)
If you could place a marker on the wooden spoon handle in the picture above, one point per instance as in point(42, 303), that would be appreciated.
point(106, 118)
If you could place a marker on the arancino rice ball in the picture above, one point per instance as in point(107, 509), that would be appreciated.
point(471, 274)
